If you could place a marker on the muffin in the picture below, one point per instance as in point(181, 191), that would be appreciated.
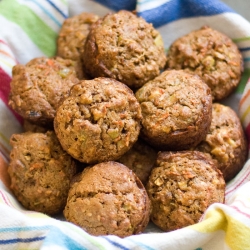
point(177, 110)
point(211, 55)
point(226, 141)
point(108, 199)
point(40, 171)
point(124, 47)
point(182, 186)
point(38, 87)
point(72, 36)
point(99, 121)
point(140, 158)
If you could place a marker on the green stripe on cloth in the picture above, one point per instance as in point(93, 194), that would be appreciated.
point(243, 81)
point(64, 2)
point(236, 40)
point(42, 35)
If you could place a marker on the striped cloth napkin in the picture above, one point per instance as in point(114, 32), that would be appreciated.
point(28, 29)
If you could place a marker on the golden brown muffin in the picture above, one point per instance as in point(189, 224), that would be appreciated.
point(72, 36)
point(141, 159)
point(40, 171)
point(176, 109)
point(99, 121)
point(226, 141)
point(211, 55)
point(108, 199)
point(38, 87)
point(124, 47)
point(181, 187)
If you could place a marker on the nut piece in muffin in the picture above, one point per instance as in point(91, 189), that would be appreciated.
point(177, 110)
point(124, 47)
point(40, 171)
point(181, 187)
point(211, 55)
point(72, 36)
point(108, 199)
point(141, 159)
point(225, 141)
point(99, 121)
point(38, 87)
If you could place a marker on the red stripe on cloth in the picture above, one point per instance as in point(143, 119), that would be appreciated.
point(239, 211)
point(5, 90)
point(238, 184)
point(4, 86)
point(242, 204)
point(1, 41)
point(5, 199)
point(248, 132)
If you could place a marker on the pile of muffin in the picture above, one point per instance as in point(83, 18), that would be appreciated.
point(117, 132)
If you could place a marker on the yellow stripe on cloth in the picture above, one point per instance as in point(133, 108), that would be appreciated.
point(235, 231)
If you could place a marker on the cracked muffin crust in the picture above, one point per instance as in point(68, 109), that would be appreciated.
point(72, 36)
point(108, 199)
point(40, 171)
point(211, 55)
point(181, 187)
point(99, 121)
point(140, 158)
point(177, 110)
point(124, 47)
point(38, 87)
point(226, 141)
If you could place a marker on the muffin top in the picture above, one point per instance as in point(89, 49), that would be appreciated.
point(38, 87)
point(108, 198)
point(225, 141)
point(40, 171)
point(124, 47)
point(72, 36)
point(211, 55)
point(176, 109)
point(181, 187)
point(99, 121)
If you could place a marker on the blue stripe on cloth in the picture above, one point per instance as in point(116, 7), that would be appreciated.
point(177, 9)
point(115, 243)
point(118, 4)
point(247, 59)
point(55, 7)
point(244, 49)
point(143, 246)
point(21, 240)
point(50, 15)
point(23, 229)
point(56, 237)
